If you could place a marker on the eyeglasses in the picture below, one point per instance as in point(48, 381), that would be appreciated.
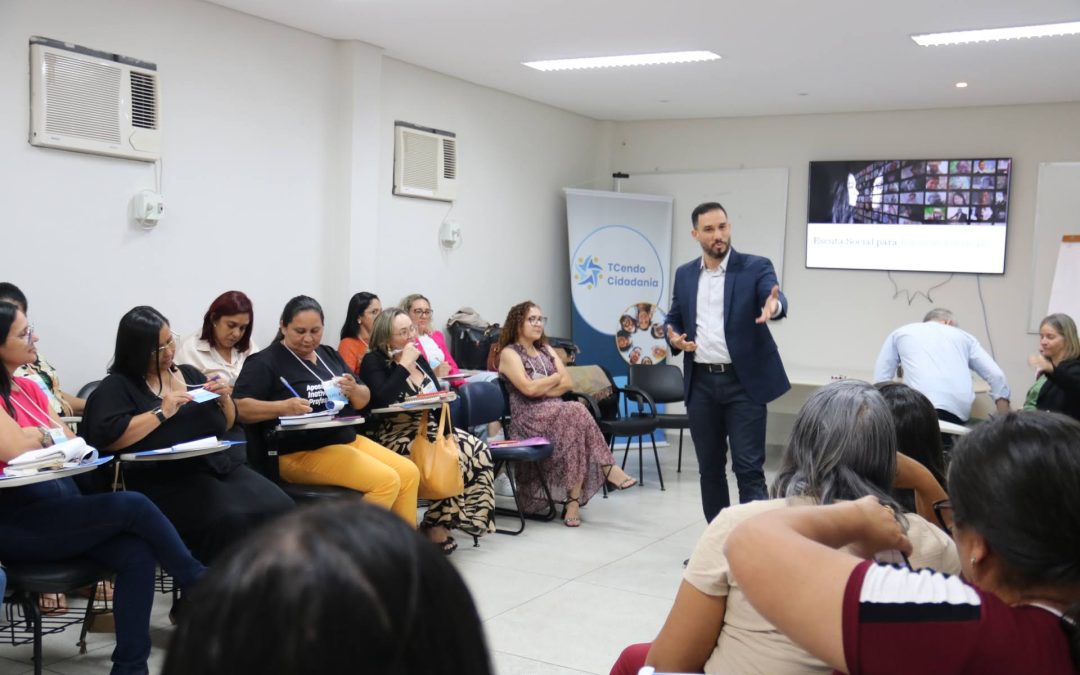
point(422, 312)
point(537, 320)
point(28, 334)
point(944, 511)
point(171, 344)
point(405, 332)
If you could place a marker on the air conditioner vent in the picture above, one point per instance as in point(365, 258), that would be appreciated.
point(143, 101)
point(81, 98)
point(449, 158)
point(425, 162)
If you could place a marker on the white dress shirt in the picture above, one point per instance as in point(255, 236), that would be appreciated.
point(709, 328)
point(938, 360)
point(194, 351)
point(709, 323)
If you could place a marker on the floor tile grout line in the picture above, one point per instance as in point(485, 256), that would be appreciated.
point(546, 663)
point(525, 602)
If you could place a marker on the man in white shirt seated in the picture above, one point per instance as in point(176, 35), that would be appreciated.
point(937, 359)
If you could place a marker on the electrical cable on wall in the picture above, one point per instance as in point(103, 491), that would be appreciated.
point(910, 296)
point(986, 319)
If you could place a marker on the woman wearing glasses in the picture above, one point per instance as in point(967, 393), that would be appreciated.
point(146, 403)
point(395, 369)
point(52, 521)
point(432, 343)
point(1015, 509)
point(297, 374)
point(842, 447)
point(536, 379)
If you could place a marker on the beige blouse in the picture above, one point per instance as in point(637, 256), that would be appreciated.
point(198, 352)
point(750, 644)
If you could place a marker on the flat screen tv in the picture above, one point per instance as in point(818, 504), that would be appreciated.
point(918, 215)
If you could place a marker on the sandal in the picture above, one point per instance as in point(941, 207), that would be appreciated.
point(102, 591)
point(626, 484)
point(53, 603)
point(447, 546)
point(571, 522)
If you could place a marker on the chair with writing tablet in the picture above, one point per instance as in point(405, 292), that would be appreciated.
point(262, 454)
point(484, 402)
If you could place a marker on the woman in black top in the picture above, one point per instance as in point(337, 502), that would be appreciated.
point(395, 369)
point(290, 377)
point(144, 403)
point(1057, 368)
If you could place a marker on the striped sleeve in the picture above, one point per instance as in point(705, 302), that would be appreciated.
point(887, 610)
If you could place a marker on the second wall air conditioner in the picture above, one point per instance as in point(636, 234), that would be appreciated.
point(91, 101)
point(425, 162)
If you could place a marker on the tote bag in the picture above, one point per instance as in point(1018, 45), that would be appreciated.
point(440, 471)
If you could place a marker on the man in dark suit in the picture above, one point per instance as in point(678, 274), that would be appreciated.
point(720, 305)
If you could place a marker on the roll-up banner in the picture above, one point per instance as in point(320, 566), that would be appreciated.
point(620, 252)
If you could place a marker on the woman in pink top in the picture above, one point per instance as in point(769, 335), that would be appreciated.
point(432, 343)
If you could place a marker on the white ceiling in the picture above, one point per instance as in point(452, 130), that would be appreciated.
point(779, 56)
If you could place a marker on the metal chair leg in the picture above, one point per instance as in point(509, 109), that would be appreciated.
point(33, 615)
point(656, 455)
point(678, 468)
point(640, 461)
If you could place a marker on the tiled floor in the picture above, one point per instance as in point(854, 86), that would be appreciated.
point(554, 600)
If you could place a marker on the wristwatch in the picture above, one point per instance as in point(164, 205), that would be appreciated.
point(46, 437)
point(159, 414)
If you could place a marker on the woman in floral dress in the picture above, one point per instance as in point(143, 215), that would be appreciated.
point(536, 380)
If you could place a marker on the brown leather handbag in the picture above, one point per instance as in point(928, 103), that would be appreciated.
point(438, 460)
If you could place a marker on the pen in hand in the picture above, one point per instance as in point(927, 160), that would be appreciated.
point(289, 387)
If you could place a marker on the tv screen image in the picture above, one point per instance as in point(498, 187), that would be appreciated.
point(919, 215)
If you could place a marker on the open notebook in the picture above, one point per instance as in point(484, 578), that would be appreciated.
point(69, 453)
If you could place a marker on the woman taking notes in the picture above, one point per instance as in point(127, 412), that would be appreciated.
point(224, 342)
point(146, 403)
point(52, 521)
point(292, 377)
point(395, 370)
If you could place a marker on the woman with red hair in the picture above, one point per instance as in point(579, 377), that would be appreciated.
point(224, 342)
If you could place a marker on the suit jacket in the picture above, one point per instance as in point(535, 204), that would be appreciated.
point(747, 283)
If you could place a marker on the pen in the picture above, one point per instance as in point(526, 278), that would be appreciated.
point(289, 387)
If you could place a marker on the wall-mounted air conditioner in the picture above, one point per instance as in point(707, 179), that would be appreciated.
point(91, 101)
point(425, 162)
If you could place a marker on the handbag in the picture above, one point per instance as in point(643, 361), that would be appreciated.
point(437, 460)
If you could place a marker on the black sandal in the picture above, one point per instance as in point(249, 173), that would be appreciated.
point(571, 522)
point(625, 485)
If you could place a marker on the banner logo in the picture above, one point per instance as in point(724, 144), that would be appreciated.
point(588, 272)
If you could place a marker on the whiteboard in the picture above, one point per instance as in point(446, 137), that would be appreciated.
point(1057, 213)
point(1063, 294)
point(755, 201)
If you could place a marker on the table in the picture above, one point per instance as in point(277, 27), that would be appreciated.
point(412, 406)
point(326, 424)
point(53, 474)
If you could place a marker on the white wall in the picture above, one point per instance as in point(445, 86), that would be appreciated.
point(278, 148)
point(513, 159)
point(246, 110)
point(838, 319)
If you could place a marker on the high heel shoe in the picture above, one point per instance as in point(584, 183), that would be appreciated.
point(571, 522)
point(626, 484)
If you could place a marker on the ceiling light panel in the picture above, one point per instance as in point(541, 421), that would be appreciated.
point(620, 61)
point(995, 34)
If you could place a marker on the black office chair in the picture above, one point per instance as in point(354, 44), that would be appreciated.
point(484, 402)
point(614, 421)
point(27, 582)
point(87, 389)
point(665, 384)
point(262, 455)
